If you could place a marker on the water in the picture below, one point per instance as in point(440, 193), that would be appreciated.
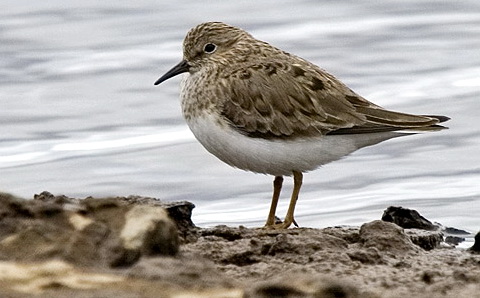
point(79, 114)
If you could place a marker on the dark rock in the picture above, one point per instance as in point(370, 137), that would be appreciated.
point(181, 213)
point(476, 245)
point(453, 240)
point(411, 219)
point(407, 218)
point(454, 236)
point(455, 231)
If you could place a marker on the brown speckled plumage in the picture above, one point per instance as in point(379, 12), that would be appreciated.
point(261, 109)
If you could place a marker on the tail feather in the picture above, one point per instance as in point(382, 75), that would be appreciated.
point(439, 118)
point(381, 120)
point(378, 116)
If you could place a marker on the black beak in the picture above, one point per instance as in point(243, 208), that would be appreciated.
point(177, 69)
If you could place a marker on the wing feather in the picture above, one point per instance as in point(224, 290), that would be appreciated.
point(291, 99)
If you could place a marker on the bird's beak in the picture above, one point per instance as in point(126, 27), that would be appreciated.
point(177, 69)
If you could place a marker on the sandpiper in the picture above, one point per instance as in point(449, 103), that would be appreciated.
point(261, 109)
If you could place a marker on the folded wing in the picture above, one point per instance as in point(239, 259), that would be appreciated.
point(288, 100)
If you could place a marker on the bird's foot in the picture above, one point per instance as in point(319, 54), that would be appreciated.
point(279, 225)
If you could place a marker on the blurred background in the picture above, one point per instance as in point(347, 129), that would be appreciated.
point(79, 114)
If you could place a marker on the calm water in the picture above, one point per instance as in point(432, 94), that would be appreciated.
point(79, 114)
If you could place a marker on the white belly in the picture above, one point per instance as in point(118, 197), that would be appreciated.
point(277, 157)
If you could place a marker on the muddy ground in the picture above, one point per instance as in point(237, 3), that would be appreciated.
point(55, 246)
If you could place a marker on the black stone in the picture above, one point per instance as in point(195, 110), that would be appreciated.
point(476, 246)
point(455, 231)
point(454, 240)
point(407, 219)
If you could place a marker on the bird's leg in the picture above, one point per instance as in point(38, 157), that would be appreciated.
point(277, 187)
point(297, 184)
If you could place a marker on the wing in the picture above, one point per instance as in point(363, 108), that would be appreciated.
point(296, 98)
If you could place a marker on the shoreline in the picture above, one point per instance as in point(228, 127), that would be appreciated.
point(142, 247)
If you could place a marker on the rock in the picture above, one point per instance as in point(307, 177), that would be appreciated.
point(454, 236)
point(90, 232)
point(434, 236)
point(407, 219)
point(427, 240)
point(386, 237)
point(476, 245)
point(150, 231)
point(457, 232)
point(180, 212)
point(453, 240)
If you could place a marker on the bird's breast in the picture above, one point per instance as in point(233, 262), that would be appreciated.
point(274, 156)
point(197, 96)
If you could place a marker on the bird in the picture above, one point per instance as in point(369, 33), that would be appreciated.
point(264, 110)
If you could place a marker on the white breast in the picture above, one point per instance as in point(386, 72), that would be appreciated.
point(276, 157)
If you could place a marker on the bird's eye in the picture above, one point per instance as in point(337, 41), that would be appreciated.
point(209, 48)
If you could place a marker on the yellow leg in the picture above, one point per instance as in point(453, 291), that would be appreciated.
point(277, 187)
point(297, 184)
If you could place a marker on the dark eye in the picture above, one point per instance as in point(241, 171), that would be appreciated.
point(209, 48)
